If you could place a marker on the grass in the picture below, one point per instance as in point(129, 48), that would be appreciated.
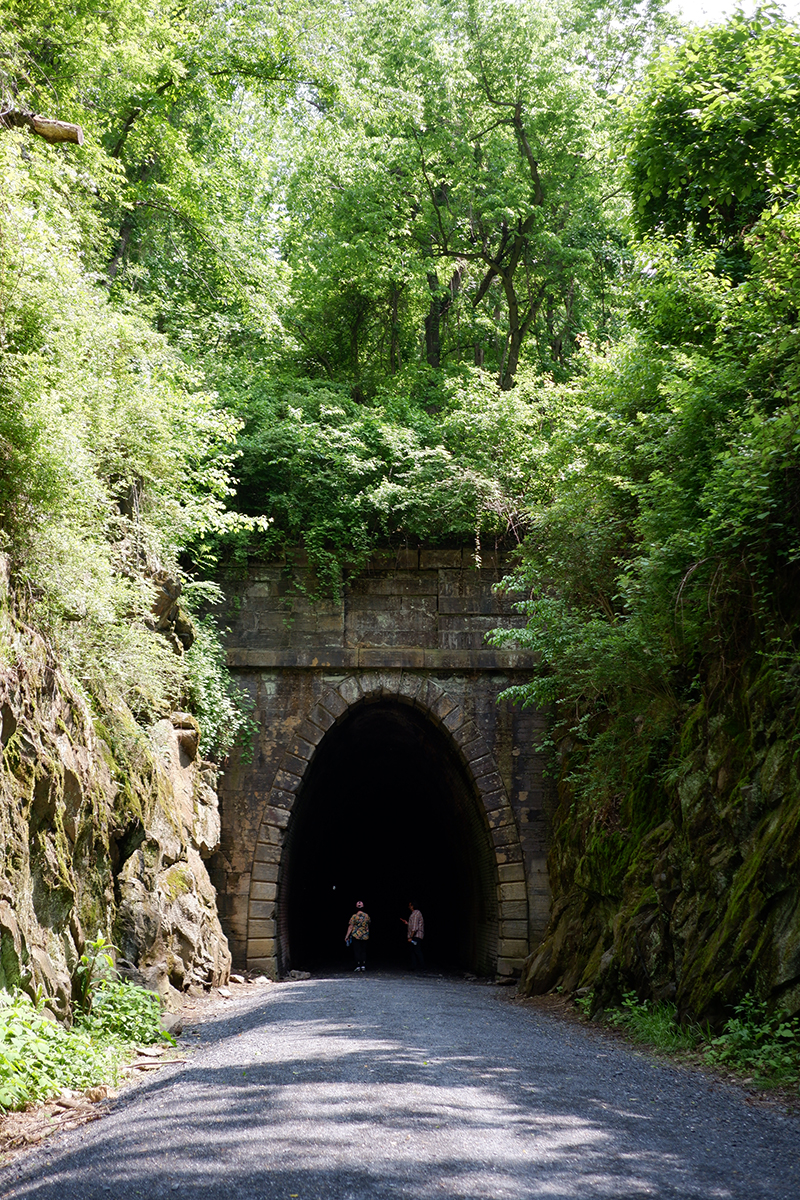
point(654, 1023)
point(755, 1043)
point(764, 1045)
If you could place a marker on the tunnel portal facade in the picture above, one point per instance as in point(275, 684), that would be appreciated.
point(384, 768)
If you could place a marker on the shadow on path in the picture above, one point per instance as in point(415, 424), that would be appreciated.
point(395, 1087)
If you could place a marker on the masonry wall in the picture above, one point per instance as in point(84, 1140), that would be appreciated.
point(419, 614)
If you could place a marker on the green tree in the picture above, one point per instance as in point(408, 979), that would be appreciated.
point(176, 104)
point(715, 130)
point(458, 202)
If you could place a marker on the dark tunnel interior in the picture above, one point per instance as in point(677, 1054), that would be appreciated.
point(387, 814)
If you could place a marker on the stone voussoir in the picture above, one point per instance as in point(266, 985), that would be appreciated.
point(476, 748)
point(270, 838)
point(287, 781)
point(350, 690)
point(263, 891)
point(309, 733)
point(320, 716)
point(501, 818)
point(455, 720)
point(429, 692)
point(408, 686)
point(265, 872)
point(443, 707)
point(292, 765)
point(506, 836)
point(278, 818)
point(511, 873)
point(482, 766)
point(491, 801)
point(267, 852)
point(335, 703)
point(281, 799)
point(261, 929)
point(301, 750)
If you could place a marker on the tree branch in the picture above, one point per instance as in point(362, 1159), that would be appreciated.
point(134, 114)
point(52, 131)
point(533, 166)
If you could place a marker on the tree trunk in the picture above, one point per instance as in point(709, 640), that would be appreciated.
point(440, 304)
point(394, 340)
point(433, 344)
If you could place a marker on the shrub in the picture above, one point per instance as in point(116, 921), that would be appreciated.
point(755, 1040)
point(123, 1010)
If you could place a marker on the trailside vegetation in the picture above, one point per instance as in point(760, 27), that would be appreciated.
point(345, 276)
point(662, 564)
point(40, 1059)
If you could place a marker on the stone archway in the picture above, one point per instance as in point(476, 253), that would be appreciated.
point(267, 922)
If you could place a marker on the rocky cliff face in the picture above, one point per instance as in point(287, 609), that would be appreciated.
point(100, 831)
point(687, 887)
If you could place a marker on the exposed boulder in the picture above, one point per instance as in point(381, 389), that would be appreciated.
point(95, 837)
point(169, 616)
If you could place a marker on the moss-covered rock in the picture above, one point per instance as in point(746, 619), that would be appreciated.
point(102, 828)
point(693, 892)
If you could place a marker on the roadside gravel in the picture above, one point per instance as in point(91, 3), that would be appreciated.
point(386, 1086)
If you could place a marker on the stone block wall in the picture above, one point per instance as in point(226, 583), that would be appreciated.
point(417, 615)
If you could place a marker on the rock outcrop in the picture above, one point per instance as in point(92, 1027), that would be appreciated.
point(688, 887)
point(101, 831)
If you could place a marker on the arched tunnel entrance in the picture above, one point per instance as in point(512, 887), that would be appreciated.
point(388, 813)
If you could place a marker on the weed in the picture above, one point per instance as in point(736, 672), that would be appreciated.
point(39, 1058)
point(121, 1009)
point(95, 965)
point(759, 1042)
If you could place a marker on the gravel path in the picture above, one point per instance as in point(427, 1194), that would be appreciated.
point(387, 1086)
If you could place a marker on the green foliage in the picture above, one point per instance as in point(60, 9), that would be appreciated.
point(176, 105)
point(661, 572)
point(344, 477)
point(461, 190)
point(95, 966)
point(654, 1023)
point(665, 510)
point(40, 1058)
point(714, 132)
point(108, 1006)
point(221, 706)
point(113, 459)
point(756, 1041)
point(123, 1010)
point(760, 1042)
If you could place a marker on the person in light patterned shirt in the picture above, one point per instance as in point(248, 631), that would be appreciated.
point(358, 935)
point(416, 932)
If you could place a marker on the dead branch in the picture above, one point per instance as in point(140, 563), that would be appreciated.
point(46, 127)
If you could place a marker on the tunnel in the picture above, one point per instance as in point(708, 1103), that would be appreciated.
point(388, 814)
